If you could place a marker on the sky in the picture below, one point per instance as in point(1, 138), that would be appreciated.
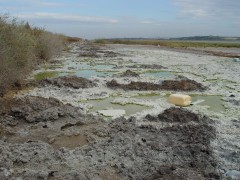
point(93, 19)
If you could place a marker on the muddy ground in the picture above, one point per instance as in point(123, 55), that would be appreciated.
point(48, 131)
point(35, 132)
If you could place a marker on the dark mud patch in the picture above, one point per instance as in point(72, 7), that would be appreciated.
point(175, 85)
point(178, 115)
point(68, 81)
point(129, 73)
point(36, 109)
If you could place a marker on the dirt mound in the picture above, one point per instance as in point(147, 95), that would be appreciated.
point(36, 109)
point(68, 81)
point(185, 85)
point(179, 115)
point(129, 73)
point(182, 85)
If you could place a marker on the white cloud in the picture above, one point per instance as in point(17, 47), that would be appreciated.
point(215, 9)
point(66, 18)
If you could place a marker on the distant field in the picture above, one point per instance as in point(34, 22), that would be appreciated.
point(173, 43)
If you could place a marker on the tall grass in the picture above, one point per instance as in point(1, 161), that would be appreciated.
point(22, 48)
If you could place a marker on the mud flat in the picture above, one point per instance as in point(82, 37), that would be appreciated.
point(55, 131)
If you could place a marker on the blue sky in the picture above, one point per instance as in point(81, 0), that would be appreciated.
point(129, 18)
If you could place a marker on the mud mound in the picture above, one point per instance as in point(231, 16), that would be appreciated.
point(185, 85)
point(178, 115)
point(182, 85)
point(69, 81)
point(129, 73)
point(37, 109)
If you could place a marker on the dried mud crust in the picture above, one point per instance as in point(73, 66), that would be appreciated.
point(184, 85)
point(68, 81)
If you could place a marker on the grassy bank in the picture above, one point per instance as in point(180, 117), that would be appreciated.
point(22, 48)
point(168, 43)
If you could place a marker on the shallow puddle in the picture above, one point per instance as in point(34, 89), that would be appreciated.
point(107, 104)
point(214, 102)
point(69, 142)
point(92, 73)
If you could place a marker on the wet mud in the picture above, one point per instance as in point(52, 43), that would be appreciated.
point(121, 149)
point(183, 85)
point(68, 81)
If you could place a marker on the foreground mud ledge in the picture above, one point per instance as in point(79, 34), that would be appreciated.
point(175, 144)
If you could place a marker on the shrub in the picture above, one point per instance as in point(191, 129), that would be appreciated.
point(21, 48)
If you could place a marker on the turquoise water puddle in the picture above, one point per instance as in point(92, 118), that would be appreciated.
point(92, 73)
point(160, 74)
point(214, 102)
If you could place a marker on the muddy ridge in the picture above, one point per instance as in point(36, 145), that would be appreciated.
point(183, 85)
point(68, 81)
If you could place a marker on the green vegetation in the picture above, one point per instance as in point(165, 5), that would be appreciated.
point(46, 74)
point(167, 43)
point(22, 48)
